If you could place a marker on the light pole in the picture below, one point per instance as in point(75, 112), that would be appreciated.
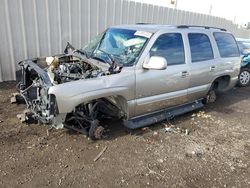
point(175, 4)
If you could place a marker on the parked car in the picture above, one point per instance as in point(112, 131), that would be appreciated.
point(141, 74)
point(244, 46)
point(244, 76)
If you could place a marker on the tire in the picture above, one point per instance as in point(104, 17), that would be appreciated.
point(211, 96)
point(244, 77)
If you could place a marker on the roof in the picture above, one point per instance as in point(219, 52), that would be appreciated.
point(145, 27)
point(155, 27)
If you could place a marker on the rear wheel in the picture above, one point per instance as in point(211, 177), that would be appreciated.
point(211, 96)
point(244, 77)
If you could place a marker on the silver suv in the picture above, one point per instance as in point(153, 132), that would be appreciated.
point(141, 74)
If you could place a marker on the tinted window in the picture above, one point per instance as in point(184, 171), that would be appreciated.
point(200, 46)
point(169, 46)
point(226, 44)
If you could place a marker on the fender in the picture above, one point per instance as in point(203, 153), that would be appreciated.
point(70, 95)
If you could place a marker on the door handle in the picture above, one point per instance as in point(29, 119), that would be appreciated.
point(184, 74)
point(212, 68)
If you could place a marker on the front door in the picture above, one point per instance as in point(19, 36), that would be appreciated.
point(158, 89)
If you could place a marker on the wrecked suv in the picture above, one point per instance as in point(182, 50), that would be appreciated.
point(141, 74)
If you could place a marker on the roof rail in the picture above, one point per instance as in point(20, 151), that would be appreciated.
point(205, 27)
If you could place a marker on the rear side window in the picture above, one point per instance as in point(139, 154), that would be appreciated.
point(169, 46)
point(201, 49)
point(226, 44)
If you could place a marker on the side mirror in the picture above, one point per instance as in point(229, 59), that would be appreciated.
point(155, 62)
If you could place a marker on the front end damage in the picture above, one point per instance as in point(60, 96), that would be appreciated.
point(41, 74)
point(33, 89)
point(81, 87)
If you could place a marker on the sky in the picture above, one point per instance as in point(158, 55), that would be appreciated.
point(235, 10)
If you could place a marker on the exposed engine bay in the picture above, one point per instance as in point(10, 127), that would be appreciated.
point(66, 68)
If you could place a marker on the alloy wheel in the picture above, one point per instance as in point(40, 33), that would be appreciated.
point(244, 77)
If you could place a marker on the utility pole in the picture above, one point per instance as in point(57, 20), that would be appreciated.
point(210, 9)
point(234, 19)
point(175, 4)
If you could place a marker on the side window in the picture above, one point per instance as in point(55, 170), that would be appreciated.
point(201, 49)
point(226, 44)
point(169, 46)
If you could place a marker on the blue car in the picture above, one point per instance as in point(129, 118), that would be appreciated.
point(244, 76)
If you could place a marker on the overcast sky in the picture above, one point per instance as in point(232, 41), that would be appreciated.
point(238, 10)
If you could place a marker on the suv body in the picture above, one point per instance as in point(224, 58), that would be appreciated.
point(172, 67)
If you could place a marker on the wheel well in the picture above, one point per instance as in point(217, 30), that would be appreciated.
point(221, 83)
point(114, 106)
point(120, 102)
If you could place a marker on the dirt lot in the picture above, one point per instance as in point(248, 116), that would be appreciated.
point(205, 148)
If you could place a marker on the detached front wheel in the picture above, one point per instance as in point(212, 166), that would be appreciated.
point(244, 77)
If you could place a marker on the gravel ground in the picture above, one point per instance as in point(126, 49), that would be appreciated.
point(205, 148)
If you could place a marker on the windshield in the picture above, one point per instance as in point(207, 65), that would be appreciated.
point(92, 45)
point(125, 45)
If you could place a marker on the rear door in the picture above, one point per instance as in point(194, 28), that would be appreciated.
point(202, 65)
point(228, 57)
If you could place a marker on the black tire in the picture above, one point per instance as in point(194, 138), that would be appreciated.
point(244, 77)
point(211, 96)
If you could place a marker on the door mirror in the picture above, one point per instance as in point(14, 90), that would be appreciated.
point(155, 62)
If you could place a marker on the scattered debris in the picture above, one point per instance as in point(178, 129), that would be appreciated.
point(169, 130)
point(21, 117)
point(48, 130)
point(155, 133)
point(141, 131)
point(13, 98)
point(196, 152)
point(173, 129)
point(60, 181)
point(100, 154)
point(160, 160)
point(145, 129)
point(187, 131)
point(154, 172)
point(202, 114)
point(25, 116)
